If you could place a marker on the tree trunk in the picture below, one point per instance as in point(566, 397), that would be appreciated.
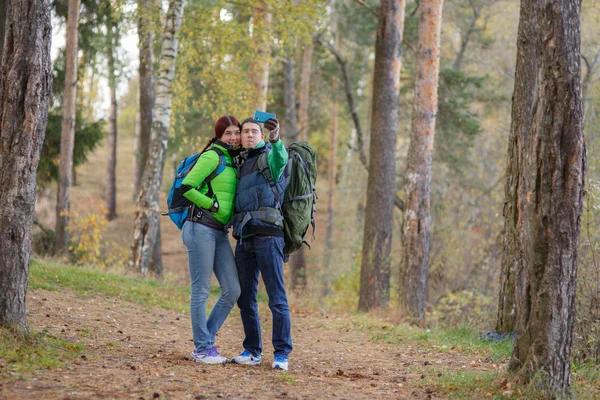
point(303, 120)
point(110, 199)
point(156, 266)
point(298, 271)
point(261, 47)
point(377, 238)
point(146, 89)
point(25, 86)
point(147, 213)
point(3, 13)
point(137, 148)
point(331, 174)
point(291, 121)
point(467, 36)
point(416, 227)
point(65, 168)
point(544, 190)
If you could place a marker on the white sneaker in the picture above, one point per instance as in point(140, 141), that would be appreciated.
point(246, 358)
point(208, 356)
point(280, 362)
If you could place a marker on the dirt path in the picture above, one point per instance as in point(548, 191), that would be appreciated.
point(134, 352)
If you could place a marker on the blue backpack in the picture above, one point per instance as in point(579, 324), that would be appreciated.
point(178, 205)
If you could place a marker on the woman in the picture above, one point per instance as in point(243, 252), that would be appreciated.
point(205, 236)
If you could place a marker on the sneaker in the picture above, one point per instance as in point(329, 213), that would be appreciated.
point(246, 358)
point(208, 356)
point(280, 362)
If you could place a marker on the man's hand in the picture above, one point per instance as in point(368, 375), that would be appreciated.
point(272, 125)
point(215, 207)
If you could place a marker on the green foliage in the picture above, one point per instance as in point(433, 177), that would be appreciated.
point(87, 138)
point(34, 351)
point(456, 125)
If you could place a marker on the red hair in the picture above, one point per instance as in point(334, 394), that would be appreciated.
point(220, 126)
point(225, 122)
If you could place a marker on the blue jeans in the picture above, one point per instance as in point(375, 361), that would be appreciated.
point(263, 254)
point(209, 250)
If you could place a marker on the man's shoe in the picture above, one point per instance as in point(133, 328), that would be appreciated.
point(208, 356)
point(280, 362)
point(246, 358)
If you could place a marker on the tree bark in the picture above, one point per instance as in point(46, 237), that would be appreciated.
point(544, 190)
point(303, 121)
point(377, 238)
point(146, 91)
point(291, 121)
point(416, 227)
point(25, 86)
point(147, 213)
point(65, 168)
point(110, 197)
point(3, 13)
point(261, 46)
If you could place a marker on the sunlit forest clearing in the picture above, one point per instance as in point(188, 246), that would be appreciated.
point(456, 250)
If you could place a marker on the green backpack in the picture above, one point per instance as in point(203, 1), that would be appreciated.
point(299, 199)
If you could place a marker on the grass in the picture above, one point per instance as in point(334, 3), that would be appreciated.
point(88, 282)
point(26, 353)
point(446, 339)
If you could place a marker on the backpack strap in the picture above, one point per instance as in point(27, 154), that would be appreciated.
point(220, 168)
point(266, 214)
point(263, 167)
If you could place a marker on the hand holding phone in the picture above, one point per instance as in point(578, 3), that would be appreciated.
point(262, 116)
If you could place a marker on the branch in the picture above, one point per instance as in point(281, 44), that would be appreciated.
point(349, 96)
point(398, 202)
point(368, 7)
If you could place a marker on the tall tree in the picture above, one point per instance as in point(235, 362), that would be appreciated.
point(63, 203)
point(416, 227)
point(261, 46)
point(377, 238)
point(112, 38)
point(307, 56)
point(289, 98)
point(146, 217)
point(25, 86)
point(146, 92)
point(544, 189)
point(331, 179)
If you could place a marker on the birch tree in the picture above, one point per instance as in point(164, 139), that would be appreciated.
point(377, 238)
point(416, 227)
point(544, 191)
point(63, 203)
point(147, 213)
point(25, 86)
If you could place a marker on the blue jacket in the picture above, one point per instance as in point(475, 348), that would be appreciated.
point(257, 204)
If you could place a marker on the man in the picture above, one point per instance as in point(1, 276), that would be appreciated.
point(258, 226)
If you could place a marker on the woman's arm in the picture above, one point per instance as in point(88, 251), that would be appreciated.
point(205, 165)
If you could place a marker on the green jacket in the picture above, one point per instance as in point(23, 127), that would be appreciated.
point(223, 185)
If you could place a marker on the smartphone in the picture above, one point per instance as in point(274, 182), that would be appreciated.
point(262, 116)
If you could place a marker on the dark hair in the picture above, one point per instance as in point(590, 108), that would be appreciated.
point(251, 120)
point(220, 126)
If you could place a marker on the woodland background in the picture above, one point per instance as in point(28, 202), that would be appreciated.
point(478, 50)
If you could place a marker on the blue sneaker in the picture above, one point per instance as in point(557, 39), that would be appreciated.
point(246, 358)
point(280, 362)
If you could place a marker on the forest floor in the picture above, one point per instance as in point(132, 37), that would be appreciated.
point(118, 348)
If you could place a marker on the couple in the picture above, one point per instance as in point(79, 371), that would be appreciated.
point(240, 193)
